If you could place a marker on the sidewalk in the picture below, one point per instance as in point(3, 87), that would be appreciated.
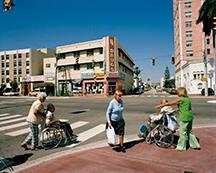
point(139, 157)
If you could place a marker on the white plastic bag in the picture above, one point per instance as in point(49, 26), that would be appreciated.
point(172, 122)
point(111, 136)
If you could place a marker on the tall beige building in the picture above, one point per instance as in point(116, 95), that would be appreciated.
point(190, 43)
point(94, 67)
point(22, 65)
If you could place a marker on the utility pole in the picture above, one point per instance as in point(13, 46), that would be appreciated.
point(205, 72)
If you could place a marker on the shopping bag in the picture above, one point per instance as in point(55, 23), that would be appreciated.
point(111, 136)
point(172, 122)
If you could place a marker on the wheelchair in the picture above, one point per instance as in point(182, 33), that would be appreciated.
point(158, 133)
point(53, 136)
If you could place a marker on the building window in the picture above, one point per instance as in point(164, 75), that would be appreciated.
point(2, 57)
point(7, 57)
point(27, 63)
point(194, 76)
point(89, 66)
point(188, 14)
point(2, 72)
point(77, 54)
point(20, 63)
point(77, 67)
point(19, 55)
point(15, 71)
point(189, 43)
point(188, 4)
point(189, 53)
point(27, 55)
point(7, 72)
point(207, 41)
point(101, 64)
point(2, 64)
point(208, 51)
point(14, 56)
point(20, 71)
point(188, 33)
point(7, 64)
point(188, 24)
point(90, 52)
point(101, 50)
point(48, 65)
point(27, 71)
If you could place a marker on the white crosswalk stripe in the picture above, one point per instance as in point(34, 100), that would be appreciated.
point(13, 120)
point(26, 130)
point(13, 126)
point(84, 136)
point(10, 117)
point(2, 115)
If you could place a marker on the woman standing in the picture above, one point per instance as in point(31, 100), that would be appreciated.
point(186, 120)
point(114, 117)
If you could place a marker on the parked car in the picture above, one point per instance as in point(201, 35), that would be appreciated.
point(10, 93)
point(137, 91)
point(173, 91)
point(36, 91)
point(210, 92)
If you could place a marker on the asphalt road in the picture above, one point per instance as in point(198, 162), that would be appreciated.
point(90, 110)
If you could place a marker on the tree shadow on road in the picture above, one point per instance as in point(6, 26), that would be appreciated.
point(14, 161)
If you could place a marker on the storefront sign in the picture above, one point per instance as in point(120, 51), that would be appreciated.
point(99, 74)
point(111, 54)
point(113, 74)
point(87, 75)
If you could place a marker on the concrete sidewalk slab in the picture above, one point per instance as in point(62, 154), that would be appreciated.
point(139, 157)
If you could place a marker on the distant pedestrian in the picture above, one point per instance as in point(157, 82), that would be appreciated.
point(34, 119)
point(186, 120)
point(114, 117)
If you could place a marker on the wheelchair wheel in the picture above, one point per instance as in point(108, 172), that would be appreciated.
point(51, 138)
point(149, 139)
point(164, 138)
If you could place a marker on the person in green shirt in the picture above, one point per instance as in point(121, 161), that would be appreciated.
point(185, 120)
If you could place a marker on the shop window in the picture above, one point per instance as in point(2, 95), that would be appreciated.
point(89, 66)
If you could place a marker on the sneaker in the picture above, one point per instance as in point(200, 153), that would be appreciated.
point(24, 146)
point(74, 136)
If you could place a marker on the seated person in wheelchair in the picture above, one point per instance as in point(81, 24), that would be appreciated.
point(52, 121)
point(167, 112)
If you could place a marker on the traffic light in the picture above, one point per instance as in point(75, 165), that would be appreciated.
point(8, 4)
point(214, 23)
point(153, 61)
point(173, 60)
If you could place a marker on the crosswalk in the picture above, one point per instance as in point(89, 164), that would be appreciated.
point(16, 125)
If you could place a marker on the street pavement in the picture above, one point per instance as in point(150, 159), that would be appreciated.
point(139, 157)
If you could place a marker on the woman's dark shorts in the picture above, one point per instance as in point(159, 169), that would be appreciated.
point(119, 126)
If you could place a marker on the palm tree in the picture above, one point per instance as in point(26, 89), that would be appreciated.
point(206, 14)
point(137, 71)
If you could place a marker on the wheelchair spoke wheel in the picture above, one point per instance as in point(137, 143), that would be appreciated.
point(164, 138)
point(51, 138)
point(149, 139)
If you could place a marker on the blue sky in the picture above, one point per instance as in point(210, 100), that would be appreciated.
point(144, 28)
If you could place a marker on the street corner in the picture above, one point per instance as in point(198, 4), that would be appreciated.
point(139, 157)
